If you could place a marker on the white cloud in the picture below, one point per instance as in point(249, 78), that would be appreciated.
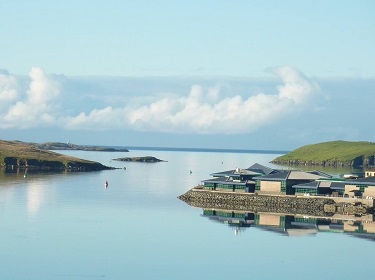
point(203, 111)
point(8, 89)
point(38, 107)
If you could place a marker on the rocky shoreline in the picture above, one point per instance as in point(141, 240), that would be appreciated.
point(269, 203)
point(19, 155)
point(35, 164)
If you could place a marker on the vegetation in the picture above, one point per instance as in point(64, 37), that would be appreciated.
point(334, 153)
point(15, 154)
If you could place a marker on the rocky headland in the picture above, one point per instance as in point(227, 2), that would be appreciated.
point(20, 155)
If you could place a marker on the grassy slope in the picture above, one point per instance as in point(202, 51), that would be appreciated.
point(25, 152)
point(340, 151)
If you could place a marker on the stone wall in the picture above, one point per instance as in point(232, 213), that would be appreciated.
point(314, 206)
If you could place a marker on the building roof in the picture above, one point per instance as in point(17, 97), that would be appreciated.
point(222, 173)
point(227, 181)
point(364, 181)
point(292, 175)
point(321, 184)
point(237, 171)
point(262, 169)
point(274, 177)
point(310, 185)
point(321, 173)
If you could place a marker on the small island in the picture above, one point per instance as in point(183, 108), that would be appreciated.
point(334, 153)
point(16, 154)
point(148, 159)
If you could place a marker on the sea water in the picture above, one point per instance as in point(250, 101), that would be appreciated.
point(68, 225)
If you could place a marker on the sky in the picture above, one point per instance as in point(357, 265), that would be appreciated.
point(207, 74)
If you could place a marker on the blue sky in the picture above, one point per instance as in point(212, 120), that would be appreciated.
point(181, 73)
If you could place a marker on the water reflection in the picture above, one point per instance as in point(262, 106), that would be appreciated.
point(34, 199)
point(294, 225)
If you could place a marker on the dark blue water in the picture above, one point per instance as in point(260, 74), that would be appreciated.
point(69, 226)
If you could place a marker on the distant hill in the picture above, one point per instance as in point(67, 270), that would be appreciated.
point(16, 154)
point(69, 146)
point(334, 153)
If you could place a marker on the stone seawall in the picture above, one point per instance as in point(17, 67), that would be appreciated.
point(263, 203)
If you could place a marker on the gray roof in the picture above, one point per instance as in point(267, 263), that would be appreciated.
point(274, 177)
point(321, 173)
point(262, 169)
point(224, 181)
point(310, 185)
point(223, 173)
point(292, 175)
point(365, 181)
point(321, 184)
point(238, 171)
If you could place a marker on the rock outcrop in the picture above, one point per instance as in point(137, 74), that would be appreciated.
point(140, 159)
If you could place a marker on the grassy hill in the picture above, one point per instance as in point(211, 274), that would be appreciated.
point(20, 155)
point(334, 153)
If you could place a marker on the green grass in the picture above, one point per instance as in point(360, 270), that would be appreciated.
point(335, 151)
point(19, 153)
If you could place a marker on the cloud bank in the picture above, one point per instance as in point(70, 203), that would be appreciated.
point(203, 110)
point(37, 108)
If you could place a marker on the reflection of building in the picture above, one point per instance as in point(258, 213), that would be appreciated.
point(291, 225)
point(237, 220)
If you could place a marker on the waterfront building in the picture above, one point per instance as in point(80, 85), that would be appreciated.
point(237, 180)
point(332, 187)
point(256, 169)
point(261, 179)
point(336, 187)
point(283, 182)
point(361, 187)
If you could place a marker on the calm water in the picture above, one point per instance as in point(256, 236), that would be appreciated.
point(68, 226)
